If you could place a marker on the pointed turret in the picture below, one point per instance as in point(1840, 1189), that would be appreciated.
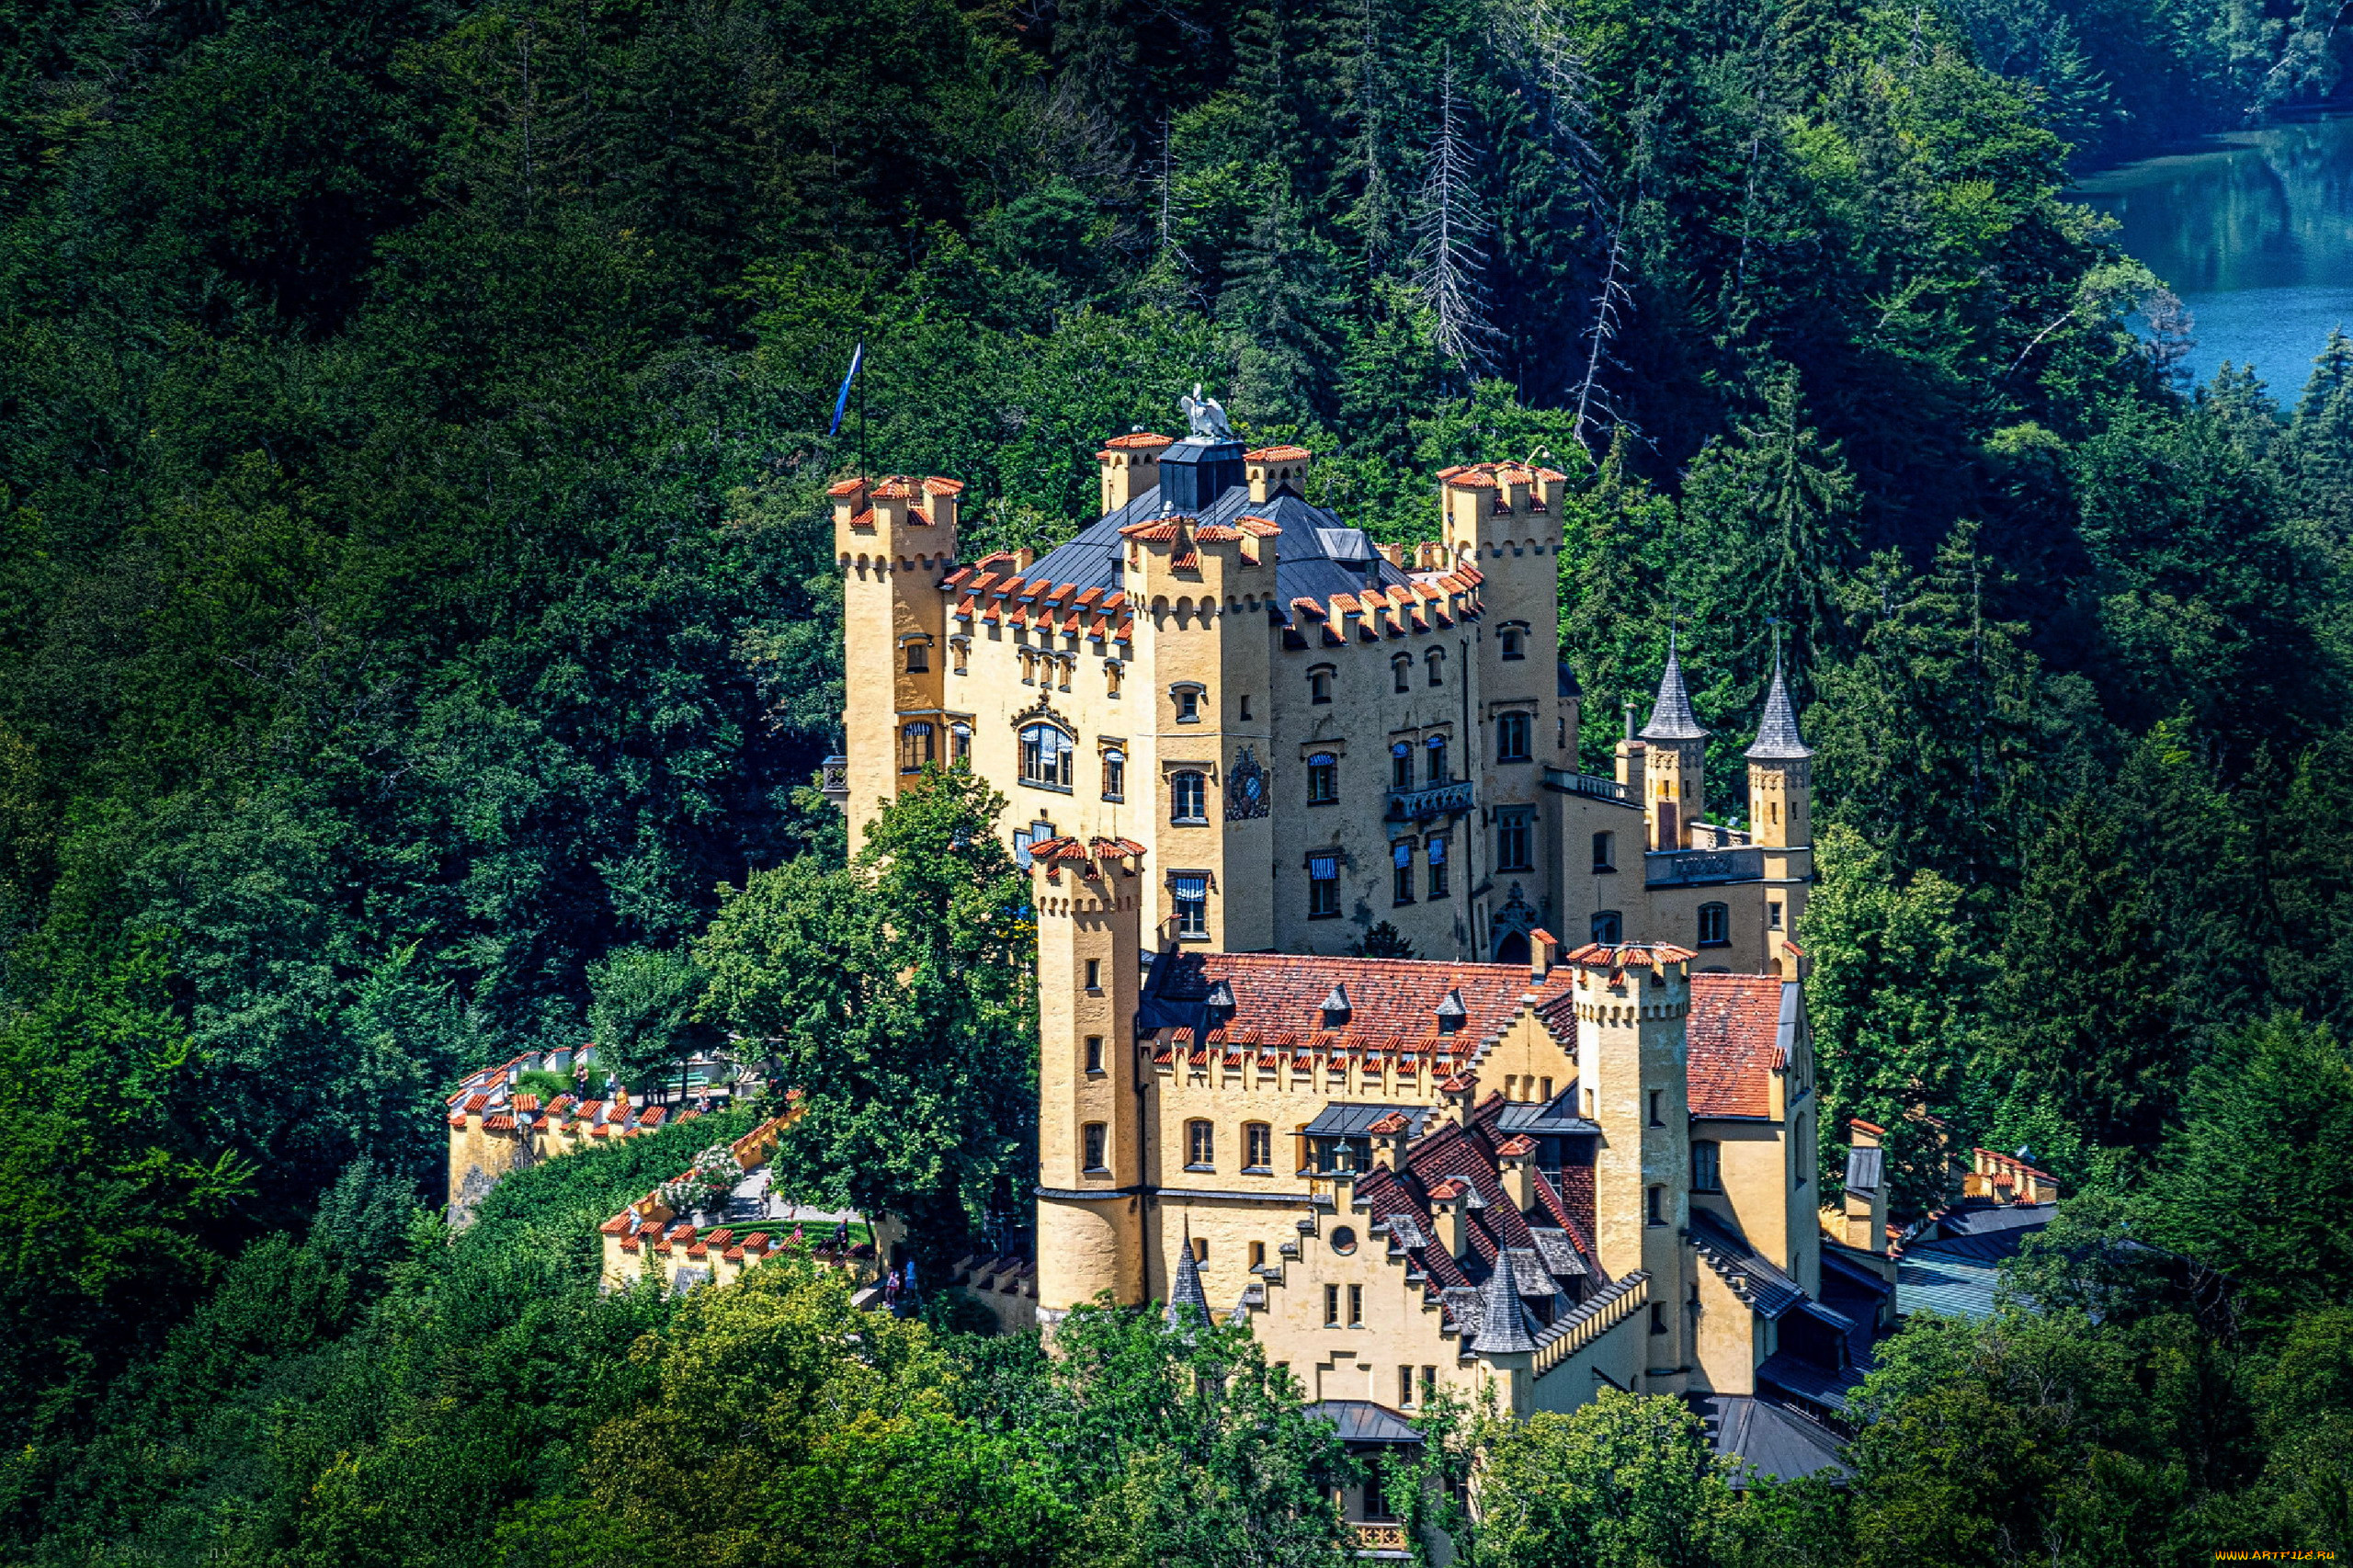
point(1671, 715)
point(1777, 731)
point(1503, 1326)
point(1188, 1302)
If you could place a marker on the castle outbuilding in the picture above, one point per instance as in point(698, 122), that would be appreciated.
point(1307, 732)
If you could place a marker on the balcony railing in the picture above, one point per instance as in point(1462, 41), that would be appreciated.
point(1697, 867)
point(1572, 783)
point(1438, 801)
point(833, 781)
point(1367, 1538)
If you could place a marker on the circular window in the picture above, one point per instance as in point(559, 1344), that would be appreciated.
point(1344, 1240)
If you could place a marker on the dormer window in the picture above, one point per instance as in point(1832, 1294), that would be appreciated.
point(1451, 1012)
point(1221, 998)
point(1336, 1008)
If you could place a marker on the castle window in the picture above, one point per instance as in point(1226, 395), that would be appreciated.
point(1188, 703)
point(1257, 1254)
point(1400, 765)
point(1343, 1242)
point(1356, 1296)
point(1654, 1206)
point(1092, 1140)
point(1323, 779)
point(1772, 915)
point(1514, 641)
point(1259, 1149)
point(1111, 678)
point(1429, 1382)
point(1045, 757)
point(1605, 851)
point(1515, 839)
point(1707, 1167)
point(918, 658)
point(1200, 1146)
point(959, 650)
point(1115, 775)
point(1715, 924)
point(960, 743)
point(1405, 1386)
point(1093, 1051)
point(1657, 1096)
point(1244, 714)
point(1511, 737)
point(1094, 975)
point(1319, 685)
point(1331, 1306)
point(1023, 837)
point(1436, 853)
point(1188, 798)
point(1435, 662)
point(1438, 771)
point(1029, 667)
point(1401, 876)
point(915, 748)
point(1189, 891)
point(1401, 670)
point(1324, 887)
point(1608, 926)
point(1658, 1312)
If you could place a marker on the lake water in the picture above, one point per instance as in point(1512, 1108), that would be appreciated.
point(2255, 232)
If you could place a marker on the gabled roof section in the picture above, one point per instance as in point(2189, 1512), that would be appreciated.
point(1735, 1031)
point(1279, 1000)
point(1749, 1275)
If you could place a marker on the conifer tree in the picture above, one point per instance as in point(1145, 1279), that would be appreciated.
point(1281, 306)
point(2321, 434)
point(1449, 263)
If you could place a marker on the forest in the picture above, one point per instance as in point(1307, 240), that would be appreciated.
point(418, 635)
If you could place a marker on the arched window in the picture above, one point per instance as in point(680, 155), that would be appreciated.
point(1402, 669)
point(1188, 798)
point(1715, 924)
point(1435, 662)
point(916, 747)
point(1046, 757)
point(1319, 685)
point(1436, 746)
point(1115, 775)
point(1400, 765)
point(1323, 779)
point(1608, 926)
point(1258, 1148)
point(1511, 737)
point(1200, 1146)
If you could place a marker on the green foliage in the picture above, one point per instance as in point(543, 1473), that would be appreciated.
point(642, 1009)
point(1624, 1479)
point(898, 992)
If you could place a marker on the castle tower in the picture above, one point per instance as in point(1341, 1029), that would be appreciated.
point(1201, 683)
point(1131, 466)
point(1675, 791)
point(1090, 1137)
point(1780, 810)
point(894, 540)
point(1631, 1003)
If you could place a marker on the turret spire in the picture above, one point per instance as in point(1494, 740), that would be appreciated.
point(1503, 1321)
point(1777, 731)
point(1188, 1302)
point(1671, 715)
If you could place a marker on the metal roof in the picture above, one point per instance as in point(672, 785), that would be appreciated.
point(2009, 1216)
point(1769, 1439)
point(1556, 1117)
point(1671, 715)
point(1865, 1168)
point(1751, 1275)
point(1806, 1380)
point(1343, 1119)
point(1855, 1272)
point(1362, 1421)
point(1930, 1279)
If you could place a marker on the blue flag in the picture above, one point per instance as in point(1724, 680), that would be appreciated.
point(841, 401)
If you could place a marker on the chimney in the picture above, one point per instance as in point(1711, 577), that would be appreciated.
point(1543, 952)
point(1517, 1158)
point(1389, 1138)
point(1449, 1198)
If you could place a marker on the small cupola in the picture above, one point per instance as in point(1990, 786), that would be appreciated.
point(1336, 1008)
point(1451, 1012)
point(1219, 999)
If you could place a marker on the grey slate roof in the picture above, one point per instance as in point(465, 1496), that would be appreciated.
point(1304, 564)
point(1751, 1277)
point(1982, 1221)
point(1362, 1421)
point(1568, 685)
point(1769, 1439)
point(1557, 1253)
point(1865, 1168)
point(1931, 1279)
point(1504, 1325)
point(1671, 715)
point(1860, 1275)
point(1186, 1298)
point(1777, 731)
point(1537, 1118)
point(1817, 1385)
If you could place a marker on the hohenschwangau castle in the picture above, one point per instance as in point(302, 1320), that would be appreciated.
point(1572, 1144)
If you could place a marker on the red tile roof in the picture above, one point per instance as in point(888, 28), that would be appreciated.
point(1278, 454)
point(1140, 438)
point(1733, 1030)
point(1393, 1003)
